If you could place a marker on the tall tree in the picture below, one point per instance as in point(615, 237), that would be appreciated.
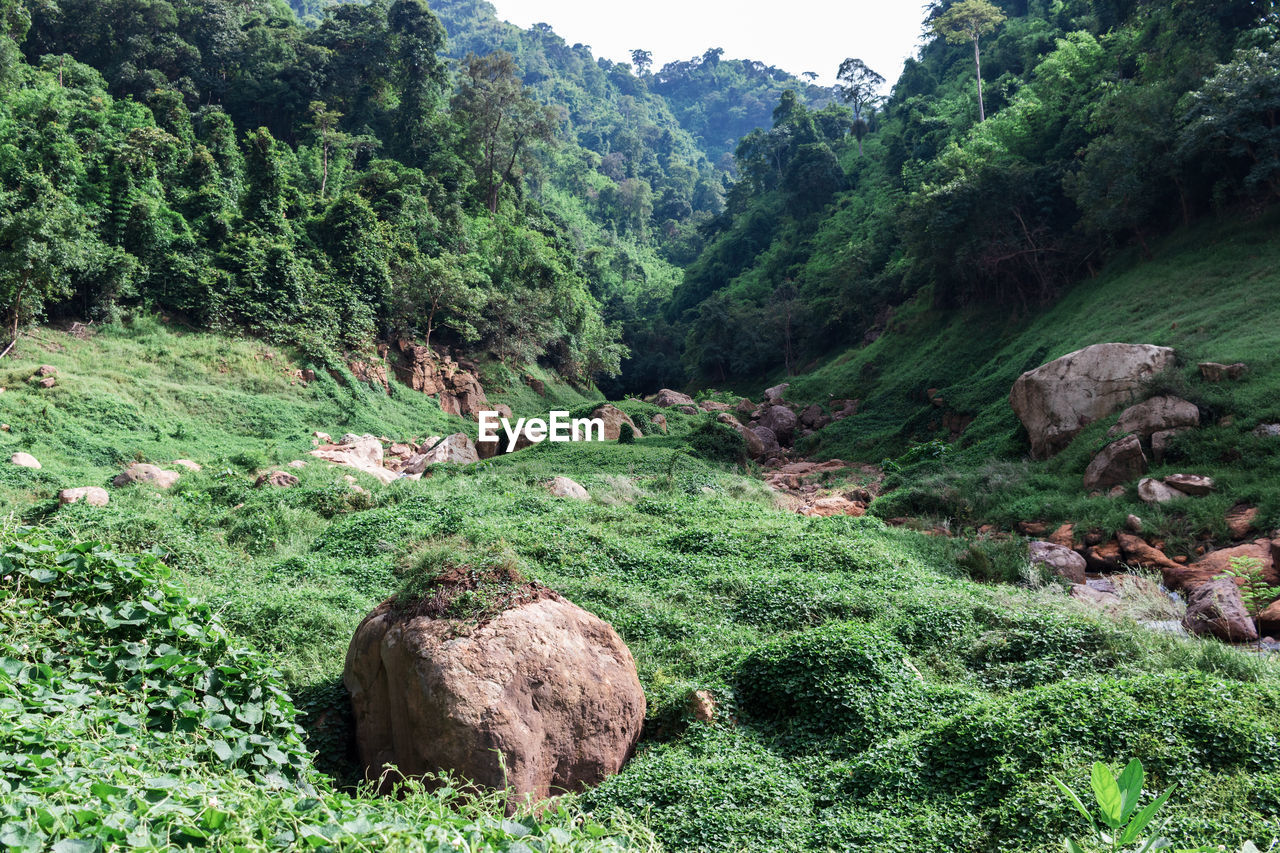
point(969, 20)
point(501, 120)
point(420, 75)
point(643, 61)
point(860, 89)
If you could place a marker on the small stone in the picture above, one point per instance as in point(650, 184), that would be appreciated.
point(279, 479)
point(48, 382)
point(563, 487)
point(25, 460)
point(1062, 561)
point(46, 370)
point(1133, 523)
point(91, 495)
point(702, 704)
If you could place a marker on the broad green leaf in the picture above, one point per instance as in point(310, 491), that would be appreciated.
point(1131, 779)
point(1071, 796)
point(1142, 818)
point(1071, 846)
point(75, 845)
point(1107, 793)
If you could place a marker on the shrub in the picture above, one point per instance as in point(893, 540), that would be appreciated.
point(626, 434)
point(716, 442)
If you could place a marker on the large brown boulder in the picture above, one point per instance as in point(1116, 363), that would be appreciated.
point(667, 398)
point(142, 472)
point(755, 447)
point(781, 420)
point(1117, 463)
point(1156, 415)
point(363, 453)
point(25, 460)
point(542, 698)
point(1215, 564)
point(91, 495)
point(1057, 400)
point(1215, 609)
point(614, 418)
point(1060, 560)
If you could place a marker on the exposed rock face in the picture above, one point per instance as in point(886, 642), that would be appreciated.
point(370, 373)
point(1156, 415)
point(457, 448)
point(459, 390)
point(141, 472)
point(773, 395)
point(1215, 563)
point(363, 453)
point(563, 487)
point(755, 447)
point(1215, 609)
point(1214, 372)
point(1153, 491)
point(834, 505)
point(278, 479)
point(1137, 551)
point(1117, 463)
point(92, 495)
point(545, 685)
point(781, 420)
point(1240, 520)
point(1267, 430)
point(714, 406)
point(1191, 484)
point(1061, 560)
point(667, 398)
point(614, 418)
point(25, 460)
point(1056, 400)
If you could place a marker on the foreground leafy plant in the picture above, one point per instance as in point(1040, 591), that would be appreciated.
point(1117, 798)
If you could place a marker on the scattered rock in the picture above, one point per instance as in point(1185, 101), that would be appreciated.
point(25, 460)
point(1214, 372)
point(563, 487)
point(1137, 551)
point(539, 387)
point(813, 417)
point(1116, 492)
point(1032, 528)
point(1153, 491)
point(667, 398)
point(1215, 563)
point(660, 421)
point(773, 396)
point(755, 445)
point(1117, 463)
point(1156, 415)
point(833, 506)
point(1061, 560)
point(142, 472)
point(298, 463)
point(1240, 521)
point(1065, 536)
point(1267, 430)
point(614, 418)
point(92, 495)
point(363, 453)
point(457, 449)
point(1108, 601)
point(48, 382)
point(279, 479)
point(1161, 440)
point(1191, 484)
point(714, 406)
point(768, 439)
point(543, 698)
point(370, 373)
point(1215, 609)
point(458, 389)
point(1056, 400)
point(781, 420)
point(1105, 557)
point(322, 437)
point(702, 705)
point(188, 464)
point(1133, 523)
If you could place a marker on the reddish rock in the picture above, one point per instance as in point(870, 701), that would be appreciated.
point(1214, 372)
point(91, 495)
point(1240, 521)
point(48, 382)
point(660, 421)
point(370, 373)
point(563, 487)
point(755, 446)
point(542, 698)
point(1064, 536)
point(141, 472)
point(279, 479)
point(459, 390)
point(1137, 551)
point(1215, 564)
point(834, 505)
point(614, 418)
point(702, 704)
point(1032, 528)
point(667, 398)
point(1215, 609)
point(46, 370)
point(1105, 557)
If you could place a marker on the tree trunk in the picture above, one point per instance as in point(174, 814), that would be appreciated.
point(977, 67)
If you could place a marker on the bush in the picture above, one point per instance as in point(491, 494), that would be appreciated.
point(626, 434)
point(716, 442)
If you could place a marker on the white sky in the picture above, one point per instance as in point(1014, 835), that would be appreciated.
point(799, 36)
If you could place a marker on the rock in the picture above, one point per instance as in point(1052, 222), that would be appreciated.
point(1267, 430)
point(702, 705)
point(1160, 442)
point(1240, 521)
point(1214, 372)
point(490, 449)
point(1116, 492)
point(833, 506)
point(773, 395)
point(1056, 400)
point(813, 417)
point(1156, 415)
point(667, 398)
point(141, 472)
point(92, 495)
point(1215, 564)
point(1031, 528)
point(370, 373)
point(768, 439)
point(363, 453)
point(687, 410)
point(1061, 560)
point(614, 418)
point(25, 460)
point(781, 420)
point(46, 370)
point(279, 479)
point(1191, 484)
point(1065, 536)
point(1137, 551)
point(48, 382)
point(457, 449)
point(1105, 557)
point(322, 437)
point(755, 445)
point(1153, 491)
point(543, 697)
point(563, 487)
point(843, 409)
point(188, 464)
point(298, 463)
point(660, 421)
point(1215, 609)
point(1116, 464)
point(1133, 523)
point(1108, 601)
point(537, 385)
point(746, 408)
point(714, 406)
point(458, 389)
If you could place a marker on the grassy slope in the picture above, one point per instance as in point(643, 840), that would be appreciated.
point(1208, 292)
point(709, 583)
